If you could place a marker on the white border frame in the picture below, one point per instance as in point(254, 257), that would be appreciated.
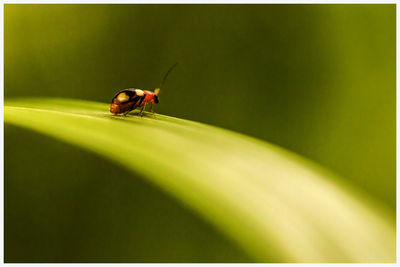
point(397, 2)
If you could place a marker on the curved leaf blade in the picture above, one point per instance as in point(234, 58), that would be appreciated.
point(275, 204)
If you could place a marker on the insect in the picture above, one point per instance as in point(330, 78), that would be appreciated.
point(130, 99)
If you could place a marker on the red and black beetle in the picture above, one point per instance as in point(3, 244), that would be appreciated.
point(130, 99)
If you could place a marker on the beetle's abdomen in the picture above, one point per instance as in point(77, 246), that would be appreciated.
point(121, 108)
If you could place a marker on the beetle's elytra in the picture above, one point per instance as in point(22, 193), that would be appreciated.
point(130, 99)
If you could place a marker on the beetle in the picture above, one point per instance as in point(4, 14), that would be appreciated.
point(129, 99)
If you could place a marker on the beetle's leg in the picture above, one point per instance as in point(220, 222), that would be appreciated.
point(127, 112)
point(141, 111)
point(151, 108)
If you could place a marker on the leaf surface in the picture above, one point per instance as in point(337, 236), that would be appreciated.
point(278, 206)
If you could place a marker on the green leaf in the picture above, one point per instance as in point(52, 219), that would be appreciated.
point(275, 204)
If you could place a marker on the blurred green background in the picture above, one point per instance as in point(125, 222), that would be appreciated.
point(316, 79)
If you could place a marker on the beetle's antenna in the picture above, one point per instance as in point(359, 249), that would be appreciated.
point(157, 90)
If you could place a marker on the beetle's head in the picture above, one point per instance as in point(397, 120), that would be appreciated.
point(156, 99)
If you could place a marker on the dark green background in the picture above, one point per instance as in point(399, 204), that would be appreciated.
point(316, 79)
